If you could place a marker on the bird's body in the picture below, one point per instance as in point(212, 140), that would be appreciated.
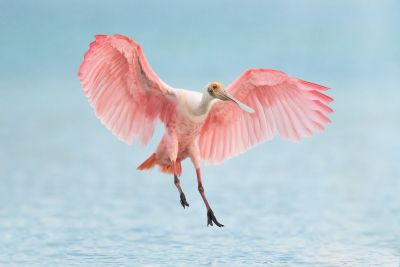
point(183, 129)
point(213, 126)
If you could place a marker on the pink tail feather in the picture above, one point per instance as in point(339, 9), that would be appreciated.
point(151, 162)
point(148, 163)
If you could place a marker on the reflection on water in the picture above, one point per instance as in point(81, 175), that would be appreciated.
point(70, 194)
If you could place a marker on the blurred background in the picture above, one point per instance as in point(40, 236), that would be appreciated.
point(70, 194)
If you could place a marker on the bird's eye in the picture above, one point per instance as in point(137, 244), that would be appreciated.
point(215, 86)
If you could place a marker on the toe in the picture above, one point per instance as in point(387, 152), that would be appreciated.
point(183, 201)
point(211, 218)
point(217, 223)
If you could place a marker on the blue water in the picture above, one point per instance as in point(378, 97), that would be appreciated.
point(70, 194)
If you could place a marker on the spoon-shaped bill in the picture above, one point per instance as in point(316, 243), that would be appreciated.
point(227, 96)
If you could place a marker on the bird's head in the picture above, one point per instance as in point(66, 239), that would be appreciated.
point(214, 89)
point(217, 90)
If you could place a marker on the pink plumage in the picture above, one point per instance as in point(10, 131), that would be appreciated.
point(124, 91)
point(285, 106)
point(129, 98)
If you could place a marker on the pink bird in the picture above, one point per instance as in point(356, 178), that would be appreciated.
point(128, 97)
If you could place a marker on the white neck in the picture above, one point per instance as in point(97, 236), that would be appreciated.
point(204, 105)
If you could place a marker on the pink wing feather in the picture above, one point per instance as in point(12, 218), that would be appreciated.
point(124, 91)
point(284, 106)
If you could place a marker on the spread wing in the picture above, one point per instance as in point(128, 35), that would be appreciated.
point(284, 106)
point(124, 91)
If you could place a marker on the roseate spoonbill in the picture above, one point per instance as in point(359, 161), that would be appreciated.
point(212, 126)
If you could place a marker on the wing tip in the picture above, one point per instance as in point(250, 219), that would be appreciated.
point(313, 86)
point(321, 96)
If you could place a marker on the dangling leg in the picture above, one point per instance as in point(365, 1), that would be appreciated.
point(195, 157)
point(210, 214)
point(169, 144)
point(178, 185)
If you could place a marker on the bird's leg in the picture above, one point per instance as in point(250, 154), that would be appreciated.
point(182, 195)
point(178, 185)
point(210, 214)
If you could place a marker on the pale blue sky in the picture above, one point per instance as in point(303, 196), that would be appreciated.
point(189, 43)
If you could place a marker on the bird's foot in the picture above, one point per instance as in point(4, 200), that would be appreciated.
point(183, 201)
point(211, 218)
